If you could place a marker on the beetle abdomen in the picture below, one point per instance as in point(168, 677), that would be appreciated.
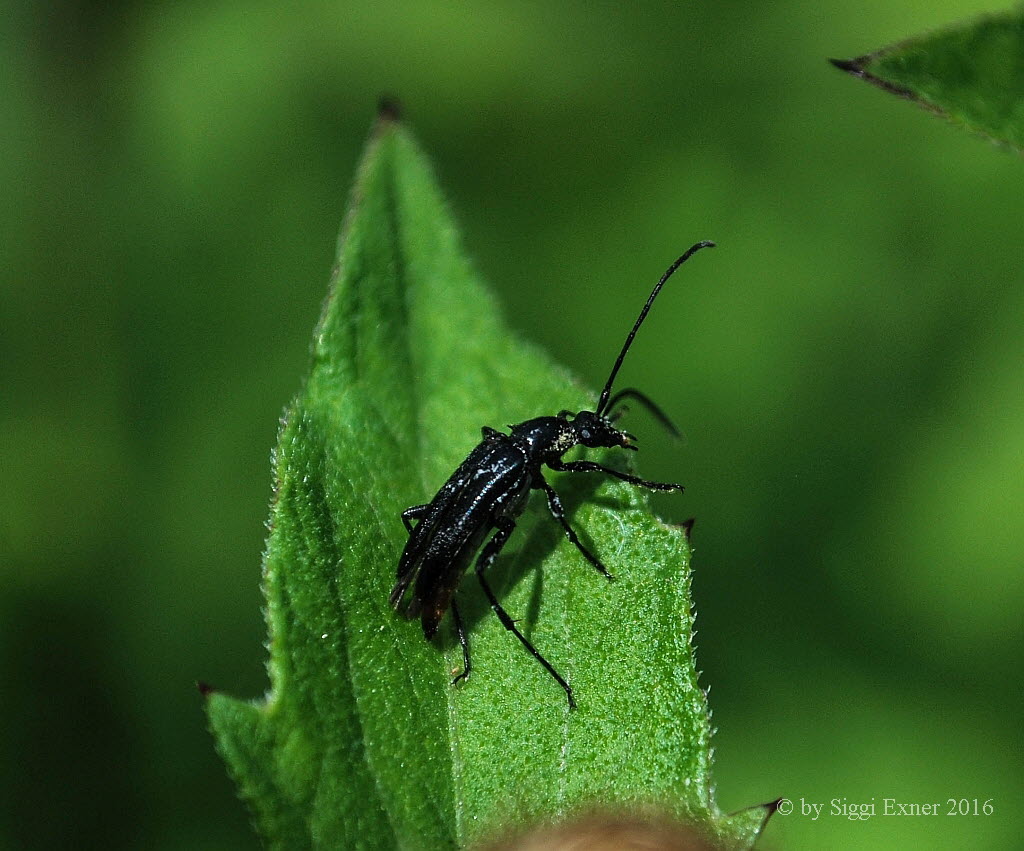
point(492, 481)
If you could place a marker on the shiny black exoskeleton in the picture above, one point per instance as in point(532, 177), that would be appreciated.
point(489, 490)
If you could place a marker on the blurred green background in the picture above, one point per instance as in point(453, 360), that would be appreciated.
point(847, 367)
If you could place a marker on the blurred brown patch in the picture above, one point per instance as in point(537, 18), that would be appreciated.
point(603, 832)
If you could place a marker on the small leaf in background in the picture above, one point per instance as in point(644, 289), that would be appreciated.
point(972, 74)
point(362, 742)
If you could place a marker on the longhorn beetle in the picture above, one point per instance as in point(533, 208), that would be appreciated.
point(489, 490)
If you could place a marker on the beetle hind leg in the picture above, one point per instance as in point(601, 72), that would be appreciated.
point(464, 641)
point(487, 555)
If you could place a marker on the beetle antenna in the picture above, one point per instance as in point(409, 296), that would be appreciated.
point(602, 403)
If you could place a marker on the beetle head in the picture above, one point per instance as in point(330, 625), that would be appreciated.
point(595, 430)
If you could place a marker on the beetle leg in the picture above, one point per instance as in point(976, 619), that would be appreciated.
point(505, 528)
point(591, 467)
point(414, 513)
point(464, 641)
point(558, 512)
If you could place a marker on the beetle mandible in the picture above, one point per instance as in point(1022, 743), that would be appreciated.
point(489, 490)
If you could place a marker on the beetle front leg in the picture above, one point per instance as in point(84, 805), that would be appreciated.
point(591, 467)
point(414, 513)
point(505, 528)
point(558, 512)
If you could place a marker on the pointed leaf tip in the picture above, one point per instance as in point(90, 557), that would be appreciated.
point(968, 73)
point(850, 66)
point(389, 109)
point(754, 819)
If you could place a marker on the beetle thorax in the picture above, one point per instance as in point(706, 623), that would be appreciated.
point(545, 438)
point(565, 440)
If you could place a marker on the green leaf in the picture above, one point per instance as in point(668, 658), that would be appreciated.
point(973, 74)
point(362, 741)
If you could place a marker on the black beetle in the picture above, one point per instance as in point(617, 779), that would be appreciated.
point(489, 490)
